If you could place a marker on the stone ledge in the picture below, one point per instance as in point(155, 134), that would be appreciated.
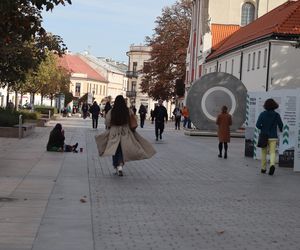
point(195, 132)
point(13, 132)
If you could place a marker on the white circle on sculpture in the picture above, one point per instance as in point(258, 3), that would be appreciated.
point(214, 89)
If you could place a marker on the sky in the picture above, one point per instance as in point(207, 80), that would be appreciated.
point(105, 28)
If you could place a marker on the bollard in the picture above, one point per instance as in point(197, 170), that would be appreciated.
point(49, 114)
point(20, 126)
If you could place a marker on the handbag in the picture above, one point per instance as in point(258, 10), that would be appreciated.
point(132, 122)
point(262, 140)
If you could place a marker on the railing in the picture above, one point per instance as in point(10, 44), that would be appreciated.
point(132, 74)
point(131, 93)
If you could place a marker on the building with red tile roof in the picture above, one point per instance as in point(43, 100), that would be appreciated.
point(77, 66)
point(282, 22)
point(84, 79)
point(262, 54)
point(215, 20)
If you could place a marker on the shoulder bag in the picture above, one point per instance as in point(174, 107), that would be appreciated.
point(132, 122)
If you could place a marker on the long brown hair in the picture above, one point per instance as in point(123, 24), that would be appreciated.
point(119, 112)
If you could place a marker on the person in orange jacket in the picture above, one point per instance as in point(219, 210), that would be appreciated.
point(186, 117)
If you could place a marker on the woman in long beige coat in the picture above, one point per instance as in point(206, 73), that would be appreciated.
point(119, 141)
point(224, 121)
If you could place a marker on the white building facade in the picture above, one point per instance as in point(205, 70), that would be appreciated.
point(231, 15)
point(138, 55)
point(114, 73)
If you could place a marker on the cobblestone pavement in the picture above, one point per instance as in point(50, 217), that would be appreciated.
point(185, 197)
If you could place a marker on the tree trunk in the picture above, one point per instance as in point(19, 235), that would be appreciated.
point(42, 98)
point(7, 95)
point(51, 100)
point(16, 100)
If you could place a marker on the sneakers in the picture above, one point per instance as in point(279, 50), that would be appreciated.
point(160, 137)
point(263, 171)
point(225, 156)
point(272, 170)
point(120, 170)
point(220, 155)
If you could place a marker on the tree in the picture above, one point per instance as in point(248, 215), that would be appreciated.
point(169, 48)
point(22, 38)
point(48, 80)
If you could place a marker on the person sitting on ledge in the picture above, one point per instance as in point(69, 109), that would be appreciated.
point(56, 142)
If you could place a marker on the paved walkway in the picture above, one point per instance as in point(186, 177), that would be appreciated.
point(185, 197)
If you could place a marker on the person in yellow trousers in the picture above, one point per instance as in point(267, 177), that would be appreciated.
point(267, 122)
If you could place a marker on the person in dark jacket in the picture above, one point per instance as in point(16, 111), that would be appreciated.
point(85, 109)
point(107, 106)
point(56, 142)
point(177, 116)
point(160, 114)
point(142, 112)
point(268, 122)
point(95, 110)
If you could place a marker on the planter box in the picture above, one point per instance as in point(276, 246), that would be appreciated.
point(39, 122)
point(13, 132)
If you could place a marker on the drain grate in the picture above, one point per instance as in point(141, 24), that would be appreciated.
point(7, 199)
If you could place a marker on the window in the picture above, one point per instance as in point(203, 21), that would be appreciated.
point(133, 86)
point(205, 71)
point(226, 67)
point(220, 67)
point(249, 61)
point(134, 66)
point(232, 66)
point(209, 69)
point(248, 13)
point(101, 90)
point(77, 88)
point(253, 61)
point(265, 57)
point(215, 68)
point(258, 59)
point(97, 89)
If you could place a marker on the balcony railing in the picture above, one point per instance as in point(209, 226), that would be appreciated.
point(132, 74)
point(131, 93)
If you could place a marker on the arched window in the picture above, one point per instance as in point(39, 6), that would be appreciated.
point(248, 13)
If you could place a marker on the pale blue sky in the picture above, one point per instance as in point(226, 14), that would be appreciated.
point(105, 27)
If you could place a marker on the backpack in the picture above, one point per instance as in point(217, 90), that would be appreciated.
point(177, 113)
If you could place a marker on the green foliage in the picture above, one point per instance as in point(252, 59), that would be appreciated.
point(45, 110)
point(68, 98)
point(23, 41)
point(27, 115)
point(8, 118)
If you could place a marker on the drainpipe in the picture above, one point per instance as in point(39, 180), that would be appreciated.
point(241, 64)
point(268, 68)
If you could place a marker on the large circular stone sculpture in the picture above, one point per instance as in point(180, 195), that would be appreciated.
point(209, 93)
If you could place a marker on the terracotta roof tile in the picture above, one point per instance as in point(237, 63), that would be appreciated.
point(220, 32)
point(74, 64)
point(283, 20)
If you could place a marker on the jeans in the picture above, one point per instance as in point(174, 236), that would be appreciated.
point(95, 122)
point(177, 122)
point(159, 125)
point(117, 159)
point(187, 122)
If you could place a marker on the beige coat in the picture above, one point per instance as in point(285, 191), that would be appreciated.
point(134, 146)
point(224, 122)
